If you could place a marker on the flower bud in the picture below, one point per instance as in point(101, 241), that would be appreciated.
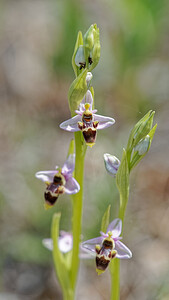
point(143, 146)
point(89, 37)
point(79, 57)
point(140, 130)
point(92, 47)
point(89, 77)
point(112, 164)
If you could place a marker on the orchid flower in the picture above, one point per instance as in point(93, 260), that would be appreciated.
point(107, 246)
point(112, 164)
point(65, 244)
point(87, 121)
point(59, 181)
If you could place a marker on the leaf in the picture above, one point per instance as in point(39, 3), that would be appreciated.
point(105, 219)
point(77, 91)
point(122, 180)
point(60, 263)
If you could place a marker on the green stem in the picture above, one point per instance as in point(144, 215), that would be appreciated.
point(77, 208)
point(115, 264)
point(115, 279)
point(68, 295)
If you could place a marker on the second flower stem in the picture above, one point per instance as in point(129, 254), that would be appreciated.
point(77, 208)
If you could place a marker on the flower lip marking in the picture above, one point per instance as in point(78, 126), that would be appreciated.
point(59, 181)
point(87, 121)
point(108, 246)
point(54, 188)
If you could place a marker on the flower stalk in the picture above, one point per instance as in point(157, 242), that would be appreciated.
point(138, 145)
point(77, 199)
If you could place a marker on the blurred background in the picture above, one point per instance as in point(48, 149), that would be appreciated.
point(37, 39)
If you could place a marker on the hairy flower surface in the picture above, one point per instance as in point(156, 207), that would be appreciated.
point(87, 121)
point(65, 243)
point(112, 164)
point(108, 246)
point(59, 181)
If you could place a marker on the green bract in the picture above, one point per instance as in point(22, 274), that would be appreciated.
point(105, 219)
point(77, 91)
point(122, 181)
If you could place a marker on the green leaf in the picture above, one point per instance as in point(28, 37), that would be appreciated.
point(77, 91)
point(59, 261)
point(79, 42)
point(105, 219)
point(122, 180)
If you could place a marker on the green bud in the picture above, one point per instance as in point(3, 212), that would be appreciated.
point(140, 130)
point(92, 47)
point(89, 38)
point(142, 148)
point(143, 145)
point(95, 54)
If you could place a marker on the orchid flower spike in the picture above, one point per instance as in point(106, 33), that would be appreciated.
point(59, 181)
point(65, 244)
point(112, 164)
point(107, 246)
point(87, 121)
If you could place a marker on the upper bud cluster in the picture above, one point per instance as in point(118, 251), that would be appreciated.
point(87, 50)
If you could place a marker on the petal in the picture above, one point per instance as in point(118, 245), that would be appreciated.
point(115, 227)
point(86, 99)
point(65, 243)
point(85, 254)
point(122, 250)
point(72, 186)
point(48, 243)
point(104, 234)
point(104, 122)
point(91, 244)
point(69, 165)
point(46, 175)
point(71, 124)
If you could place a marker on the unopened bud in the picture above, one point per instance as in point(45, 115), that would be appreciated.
point(112, 163)
point(79, 57)
point(143, 145)
point(89, 77)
